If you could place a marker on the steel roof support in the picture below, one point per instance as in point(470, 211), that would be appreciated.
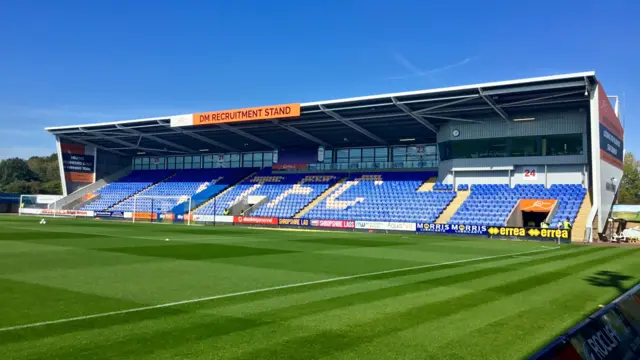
point(91, 144)
point(527, 101)
point(446, 104)
point(419, 119)
point(494, 106)
point(248, 136)
point(542, 87)
point(199, 137)
point(157, 139)
point(115, 140)
point(355, 127)
point(452, 118)
point(301, 133)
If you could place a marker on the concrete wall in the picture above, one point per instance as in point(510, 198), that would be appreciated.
point(544, 174)
point(545, 123)
point(606, 156)
point(482, 177)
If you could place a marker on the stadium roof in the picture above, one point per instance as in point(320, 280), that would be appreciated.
point(387, 119)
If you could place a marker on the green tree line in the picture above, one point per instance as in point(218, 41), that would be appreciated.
point(630, 185)
point(38, 175)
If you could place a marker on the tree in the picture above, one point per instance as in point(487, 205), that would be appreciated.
point(15, 170)
point(630, 184)
point(38, 175)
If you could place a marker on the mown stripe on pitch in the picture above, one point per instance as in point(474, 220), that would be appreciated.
point(269, 317)
point(329, 342)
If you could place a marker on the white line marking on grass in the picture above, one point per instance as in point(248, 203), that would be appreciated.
point(255, 291)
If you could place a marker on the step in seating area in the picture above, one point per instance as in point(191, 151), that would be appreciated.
point(570, 198)
point(286, 194)
point(123, 188)
point(384, 197)
point(491, 204)
point(181, 187)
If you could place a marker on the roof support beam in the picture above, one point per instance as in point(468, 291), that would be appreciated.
point(494, 106)
point(421, 111)
point(112, 139)
point(199, 137)
point(355, 127)
point(248, 136)
point(523, 102)
point(301, 133)
point(451, 118)
point(525, 88)
point(158, 140)
point(91, 144)
point(419, 119)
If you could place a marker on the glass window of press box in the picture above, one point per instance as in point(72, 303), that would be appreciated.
point(549, 145)
point(209, 161)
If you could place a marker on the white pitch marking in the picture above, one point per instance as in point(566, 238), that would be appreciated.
point(255, 291)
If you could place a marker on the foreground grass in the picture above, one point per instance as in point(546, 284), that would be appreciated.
point(495, 308)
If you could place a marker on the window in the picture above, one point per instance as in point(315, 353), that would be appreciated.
point(179, 162)
point(234, 160)
point(257, 160)
point(267, 158)
point(570, 144)
point(171, 163)
point(247, 160)
point(137, 164)
point(479, 148)
point(145, 163)
point(368, 155)
point(525, 146)
point(381, 154)
point(187, 162)
point(342, 156)
point(157, 163)
point(328, 156)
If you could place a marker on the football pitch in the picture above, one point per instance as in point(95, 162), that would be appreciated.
point(86, 289)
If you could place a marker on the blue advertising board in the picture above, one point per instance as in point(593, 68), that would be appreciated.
point(109, 214)
point(452, 229)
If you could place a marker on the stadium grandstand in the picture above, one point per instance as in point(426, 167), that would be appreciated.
point(503, 158)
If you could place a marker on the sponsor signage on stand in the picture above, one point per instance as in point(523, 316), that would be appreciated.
point(383, 225)
point(244, 115)
point(611, 333)
point(254, 220)
point(452, 229)
point(110, 214)
point(529, 232)
point(60, 212)
point(335, 224)
point(290, 166)
point(293, 222)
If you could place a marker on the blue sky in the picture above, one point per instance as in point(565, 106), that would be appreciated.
point(70, 62)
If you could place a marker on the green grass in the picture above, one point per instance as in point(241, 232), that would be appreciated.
point(500, 306)
point(629, 216)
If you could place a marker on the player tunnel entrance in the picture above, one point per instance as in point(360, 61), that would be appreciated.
point(532, 212)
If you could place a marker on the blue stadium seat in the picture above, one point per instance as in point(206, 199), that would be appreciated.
point(491, 204)
point(180, 187)
point(286, 194)
point(385, 197)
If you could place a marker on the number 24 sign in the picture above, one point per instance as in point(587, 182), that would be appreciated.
point(530, 173)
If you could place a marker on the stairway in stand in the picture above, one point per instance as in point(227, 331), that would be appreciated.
point(427, 185)
point(580, 225)
point(446, 215)
point(317, 200)
point(231, 186)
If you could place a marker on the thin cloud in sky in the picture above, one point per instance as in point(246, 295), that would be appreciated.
point(415, 71)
